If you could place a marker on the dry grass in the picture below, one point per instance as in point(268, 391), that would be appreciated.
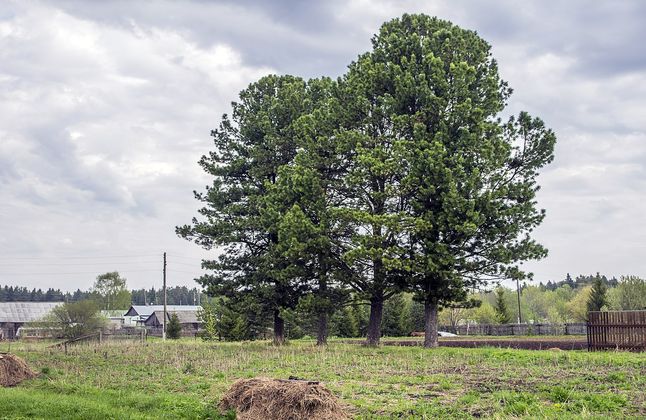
point(264, 398)
point(13, 370)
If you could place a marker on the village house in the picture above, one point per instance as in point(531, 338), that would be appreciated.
point(14, 315)
point(140, 313)
point(189, 320)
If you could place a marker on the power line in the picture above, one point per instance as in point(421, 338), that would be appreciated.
point(55, 273)
point(70, 257)
point(41, 264)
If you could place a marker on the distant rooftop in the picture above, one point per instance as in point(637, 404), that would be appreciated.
point(145, 311)
point(184, 317)
point(25, 311)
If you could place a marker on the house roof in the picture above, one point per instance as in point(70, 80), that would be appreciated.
point(145, 311)
point(25, 311)
point(185, 317)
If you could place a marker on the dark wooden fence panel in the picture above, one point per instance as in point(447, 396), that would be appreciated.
point(517, 329)
point(624, 330)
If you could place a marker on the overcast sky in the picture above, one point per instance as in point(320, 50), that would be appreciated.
point(105, 108)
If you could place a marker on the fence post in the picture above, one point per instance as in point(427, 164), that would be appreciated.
point(100, 337)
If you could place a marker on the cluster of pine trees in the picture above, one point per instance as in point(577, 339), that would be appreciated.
point(399, 176)
point(24, 294)
point(178, 295)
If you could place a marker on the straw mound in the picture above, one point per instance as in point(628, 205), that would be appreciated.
point(264, 398)
point(13, 370)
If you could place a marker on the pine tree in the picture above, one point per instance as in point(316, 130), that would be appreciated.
point(502, 312)
point(451, 193)
point(250, 148)
point(174, 328)
point(597, 299)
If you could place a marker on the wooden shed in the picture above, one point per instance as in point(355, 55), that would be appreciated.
point(189, 320)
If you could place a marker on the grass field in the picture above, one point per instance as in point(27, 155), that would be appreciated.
point(185, 379)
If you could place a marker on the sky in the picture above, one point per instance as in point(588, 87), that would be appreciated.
point(106, 107)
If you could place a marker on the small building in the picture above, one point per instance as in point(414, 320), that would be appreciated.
point(189, 320)
point(140, 313)
point(14, 315)
point(117, 320)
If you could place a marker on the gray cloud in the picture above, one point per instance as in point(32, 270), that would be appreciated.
point(105, 107)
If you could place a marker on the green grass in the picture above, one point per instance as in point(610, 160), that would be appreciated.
point(186, 379)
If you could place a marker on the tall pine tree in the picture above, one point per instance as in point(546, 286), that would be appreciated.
point(249, 149)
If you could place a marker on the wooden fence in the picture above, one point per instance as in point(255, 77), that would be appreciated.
point(625, 330)
point(101, 337)
point(517, 329)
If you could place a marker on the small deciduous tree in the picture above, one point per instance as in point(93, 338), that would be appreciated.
point(578, 306)
point(111, 291)
point(75, 319)
point(209, 322)
point(631, 293)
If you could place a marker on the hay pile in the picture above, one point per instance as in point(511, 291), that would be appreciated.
point(264, 398)
point(13, 370)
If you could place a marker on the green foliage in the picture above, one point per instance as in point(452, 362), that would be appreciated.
point(174, 328)
point(241, 211)
point(111, 291)
point(209, 322)
point(400, 176)
point(578, 306)
point(344, 323)
point(631, 293)
point(597, 299)
point(502, 313)
point(485, 314)
point(456, 189)
point(396, 320)
point(75, 319)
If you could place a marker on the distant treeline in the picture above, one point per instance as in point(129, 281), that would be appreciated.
point(179, 295)
point(581, 280)
point(24, 294)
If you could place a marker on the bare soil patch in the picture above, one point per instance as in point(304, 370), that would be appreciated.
point(520, 343)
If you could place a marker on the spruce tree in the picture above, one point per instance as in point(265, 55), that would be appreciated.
point(502, 312)
point(597, 299)
point(174, 328)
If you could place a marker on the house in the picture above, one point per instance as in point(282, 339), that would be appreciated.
point(140, 313)
point(117, 320)
point(14, 315)
point(189, 320)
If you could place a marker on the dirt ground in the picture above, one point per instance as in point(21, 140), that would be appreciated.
point(527, 343)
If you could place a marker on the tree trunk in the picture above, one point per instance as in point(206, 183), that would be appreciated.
point(374, 324)
point(279, 329)
point(430, 324)
point(321, 337)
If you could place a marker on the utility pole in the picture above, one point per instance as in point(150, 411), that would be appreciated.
point(520, 317)
point(164, 322)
